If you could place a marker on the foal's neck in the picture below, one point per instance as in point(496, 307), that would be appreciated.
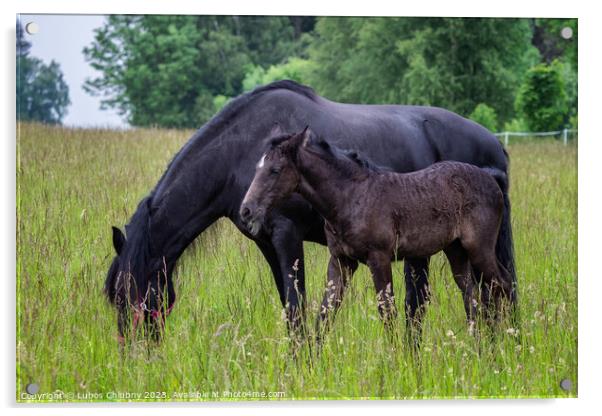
point(324, 186)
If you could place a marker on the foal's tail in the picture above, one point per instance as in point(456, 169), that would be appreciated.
point(504, 249)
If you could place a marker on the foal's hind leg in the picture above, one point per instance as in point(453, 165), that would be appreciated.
point(340, 271)
point(461, 269)
point(417, 295)
point(493, 284)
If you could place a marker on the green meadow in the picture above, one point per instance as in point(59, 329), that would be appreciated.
point(226, 338)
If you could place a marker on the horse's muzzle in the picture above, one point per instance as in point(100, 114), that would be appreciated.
point(152, 320)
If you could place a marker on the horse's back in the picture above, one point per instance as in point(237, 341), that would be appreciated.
point(434, 134)
point(402, 137)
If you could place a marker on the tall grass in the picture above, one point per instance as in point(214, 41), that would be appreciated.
point(226, 333)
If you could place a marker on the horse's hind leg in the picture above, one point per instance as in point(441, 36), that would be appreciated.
point(461, 269)
point(340, 271)
point(417, 294)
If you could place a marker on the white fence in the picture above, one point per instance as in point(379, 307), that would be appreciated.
point(564, 134)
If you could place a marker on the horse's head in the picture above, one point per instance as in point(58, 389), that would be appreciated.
point(137, 284)
point(276, 178)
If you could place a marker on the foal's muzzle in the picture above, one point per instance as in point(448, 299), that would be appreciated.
point(251, 216)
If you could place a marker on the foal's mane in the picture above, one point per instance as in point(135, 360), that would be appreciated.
point(363, 161)
point(278, 140)
point(336, 156)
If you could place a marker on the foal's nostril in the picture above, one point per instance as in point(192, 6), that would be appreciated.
point(245, 213)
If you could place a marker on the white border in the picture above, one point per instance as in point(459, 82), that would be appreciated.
point(589, 208)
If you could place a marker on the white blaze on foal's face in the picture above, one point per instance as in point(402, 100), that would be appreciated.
point(261, 161)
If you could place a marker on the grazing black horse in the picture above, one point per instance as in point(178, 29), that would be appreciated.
point(373, 217)
point(209, 176)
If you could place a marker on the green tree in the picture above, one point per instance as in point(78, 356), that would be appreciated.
point(296, 69)
point(42, 93)
point(166, 70)
point(551, 40)
point(485, 116)
point(542, 98)
point(448, 62)
point(547, 38)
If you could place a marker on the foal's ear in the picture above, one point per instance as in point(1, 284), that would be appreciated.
point(307, 136)
point(275, 131)
point(118, 240)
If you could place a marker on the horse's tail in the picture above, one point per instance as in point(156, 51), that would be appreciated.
point(504, 248)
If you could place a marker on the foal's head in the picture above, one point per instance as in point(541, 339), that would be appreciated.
point(276, 178)
point(289, 161)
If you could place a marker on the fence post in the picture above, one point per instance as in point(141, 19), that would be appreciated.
point(565, 136)
point(506, 138)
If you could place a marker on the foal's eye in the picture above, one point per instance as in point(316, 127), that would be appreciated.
point(274, 171)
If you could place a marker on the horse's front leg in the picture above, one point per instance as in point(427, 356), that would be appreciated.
point(287, 241)
point(416, 272)
point(380, 267)
point(340, 271)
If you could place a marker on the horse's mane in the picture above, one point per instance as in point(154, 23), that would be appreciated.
point(137, 248)
point(234, 107)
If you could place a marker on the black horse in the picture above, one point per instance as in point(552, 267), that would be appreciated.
point(209, 176)
point(374, 217)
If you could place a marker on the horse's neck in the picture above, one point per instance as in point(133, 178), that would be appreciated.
point(184, 205)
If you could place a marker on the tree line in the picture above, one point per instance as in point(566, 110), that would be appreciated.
point(42, 93)
point(178, 71)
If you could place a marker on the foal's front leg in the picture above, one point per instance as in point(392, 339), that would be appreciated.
point(380, 267)
point(340, 271)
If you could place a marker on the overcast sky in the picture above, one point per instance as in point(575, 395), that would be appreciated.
point(62, 38)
